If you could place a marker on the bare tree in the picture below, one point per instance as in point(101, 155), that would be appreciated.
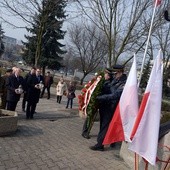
point(68, 61)
point(21, 9)
point(162, 37)
point(125, 24)
point(89, 45)
point(28, 11)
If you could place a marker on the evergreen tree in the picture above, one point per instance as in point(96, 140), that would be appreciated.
point(2, 47)
point(43, 47)
point(145, 75)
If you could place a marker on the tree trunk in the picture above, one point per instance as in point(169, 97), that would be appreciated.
point(43, 71)
point(39, 43)
point(82, 79)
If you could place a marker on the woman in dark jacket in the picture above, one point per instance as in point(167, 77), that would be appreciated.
point(71, 94)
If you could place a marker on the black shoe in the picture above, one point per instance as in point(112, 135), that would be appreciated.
point(85, 136)
point(97, 148)
point(113, 145)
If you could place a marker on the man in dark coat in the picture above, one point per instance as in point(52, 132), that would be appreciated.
point(24, 100)
point(4, 89)
point(1, 84)
point(105, 85)
point(33, 93)
point(109, 99)
point(13, 95)
point(48, 81)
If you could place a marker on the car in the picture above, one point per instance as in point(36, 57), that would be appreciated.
point(21, 62)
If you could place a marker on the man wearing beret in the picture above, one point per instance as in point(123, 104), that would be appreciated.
point(109, 99)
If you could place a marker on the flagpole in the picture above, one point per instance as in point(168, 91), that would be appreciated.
point(147, 43)
point(136, 155)
point(136, 161)
point(146, 165)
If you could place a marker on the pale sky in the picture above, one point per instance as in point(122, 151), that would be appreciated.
point(18, 33)
point(15, 33)
point(10, 31)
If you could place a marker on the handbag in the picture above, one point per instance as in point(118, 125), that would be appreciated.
point(64, 93)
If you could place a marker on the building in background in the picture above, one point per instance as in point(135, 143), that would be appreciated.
point(12, 50)
point(9, 42)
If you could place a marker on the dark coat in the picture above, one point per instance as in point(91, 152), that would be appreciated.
point(116, 88)
point(71, 92)
point(25, 80)
point(49, 82)
point(41, 78)
point(2, 84)
point(33, 93)
point(107, 104)
point(3, 91)
point(13, 83)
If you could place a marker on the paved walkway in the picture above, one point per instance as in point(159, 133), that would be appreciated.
point(53, 141)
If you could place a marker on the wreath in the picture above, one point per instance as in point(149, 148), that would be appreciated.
point(92, 107)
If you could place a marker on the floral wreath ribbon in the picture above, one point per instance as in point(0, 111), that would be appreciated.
point(89, 93)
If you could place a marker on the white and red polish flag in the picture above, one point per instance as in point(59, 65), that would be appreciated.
point(122, 122)
point(146, 128)
point(158, 2)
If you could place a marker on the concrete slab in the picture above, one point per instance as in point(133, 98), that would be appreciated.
point(52, 140)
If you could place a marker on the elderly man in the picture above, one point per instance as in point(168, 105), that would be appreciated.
point(13, 82)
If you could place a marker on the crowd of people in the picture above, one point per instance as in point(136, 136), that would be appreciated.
point(32, 86)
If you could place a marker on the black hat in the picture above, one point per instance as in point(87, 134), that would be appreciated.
point(9, 70)
point(117, 67)
point(108, 70)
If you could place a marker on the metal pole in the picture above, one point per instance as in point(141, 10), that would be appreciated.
point(147, 43)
